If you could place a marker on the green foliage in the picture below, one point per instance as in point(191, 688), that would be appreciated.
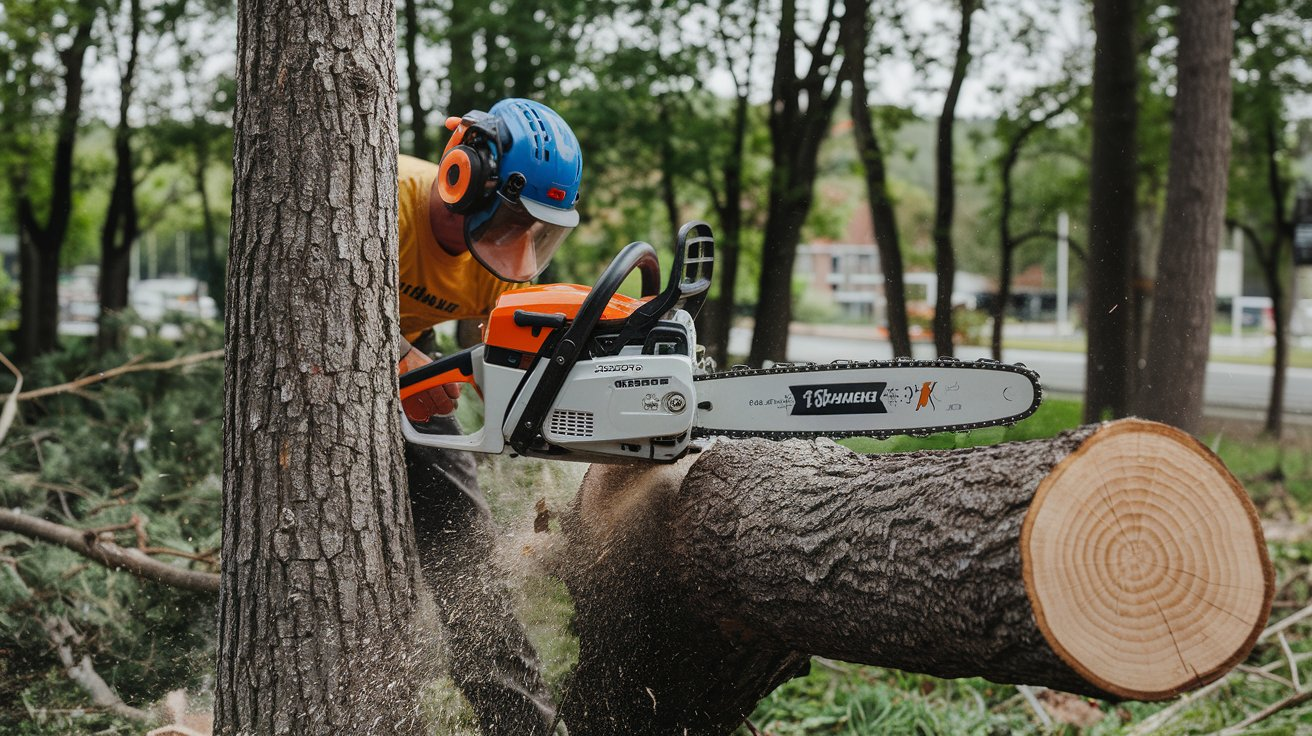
point(142, 447)
point(8, 297)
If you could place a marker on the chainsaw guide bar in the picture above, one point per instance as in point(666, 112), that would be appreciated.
point(911, 395)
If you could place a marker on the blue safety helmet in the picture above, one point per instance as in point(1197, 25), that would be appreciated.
point(514, 174)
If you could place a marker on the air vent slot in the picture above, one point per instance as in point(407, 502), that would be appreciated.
point(568, 423)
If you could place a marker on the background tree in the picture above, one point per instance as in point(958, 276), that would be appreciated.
point(800, 111)
point(1113, 173)
point(1015, 132)
point(121, 226)
point(1269, 38)
point(318, 545)
point(421, 144)
point(726, 184)
point(1171, 387)
point(945, 262)
point(40, 243)
point(856, 23)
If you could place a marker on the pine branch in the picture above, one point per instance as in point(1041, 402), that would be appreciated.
point(108, 554)
point(132, 366)
point(81, 671)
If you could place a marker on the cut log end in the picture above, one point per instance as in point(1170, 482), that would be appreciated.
point(1144, 562)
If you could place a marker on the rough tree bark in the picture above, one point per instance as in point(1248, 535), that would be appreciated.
point(882, 215)
point(800, 111)
point(40, 245)
point(317, 565)
point(945, 262)
point(1114, 560)
point(121, 225)
point(1170, 387)
point(1113, 173)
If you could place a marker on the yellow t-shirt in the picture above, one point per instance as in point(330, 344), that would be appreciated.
point(435, 286)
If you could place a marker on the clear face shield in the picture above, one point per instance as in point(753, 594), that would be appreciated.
point(511, 243)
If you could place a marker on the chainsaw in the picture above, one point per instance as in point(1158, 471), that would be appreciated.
point(577, 373)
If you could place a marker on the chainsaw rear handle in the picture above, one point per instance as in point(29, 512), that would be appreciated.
point(459, 367)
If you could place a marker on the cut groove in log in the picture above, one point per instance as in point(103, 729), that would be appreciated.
point(1139, 552)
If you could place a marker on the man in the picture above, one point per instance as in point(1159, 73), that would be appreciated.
point(484, 219)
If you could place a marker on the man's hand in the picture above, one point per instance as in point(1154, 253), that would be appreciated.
point(439, 401)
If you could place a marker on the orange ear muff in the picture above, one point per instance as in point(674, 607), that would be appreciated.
point(453, 176)
point(461, 178)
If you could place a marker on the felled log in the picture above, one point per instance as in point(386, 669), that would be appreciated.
point(1119, 560)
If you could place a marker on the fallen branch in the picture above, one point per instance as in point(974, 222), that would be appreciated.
point(11, 404)
point(1297, 698)
point(132, 366)
point(84, 674)
point(109, 554)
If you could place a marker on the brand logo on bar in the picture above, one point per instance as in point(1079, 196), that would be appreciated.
point(838, 398)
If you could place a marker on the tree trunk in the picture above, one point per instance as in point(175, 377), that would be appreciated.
point(1113, 172)
point(945, 262)
point(1117, 560)
point(467, 91)
point(27, 341)
point(1275, 405)
point(215, 278)
point(1171, 386)
point(669, 174)
point(1272, 271)
point(38, 328)
point(882, 214)
point(421, 145)
point(120, 229)
point(795, 137)
point(1006, 244)
point(1121, 560)
point(318, 551)
point(720, 311)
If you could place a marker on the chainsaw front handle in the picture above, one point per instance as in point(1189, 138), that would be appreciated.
point(453, 368)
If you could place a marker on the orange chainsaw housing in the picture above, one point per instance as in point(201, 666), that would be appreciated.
point(502, 332)
point(565, 299)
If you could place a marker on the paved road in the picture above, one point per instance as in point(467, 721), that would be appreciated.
point(1231, 389)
